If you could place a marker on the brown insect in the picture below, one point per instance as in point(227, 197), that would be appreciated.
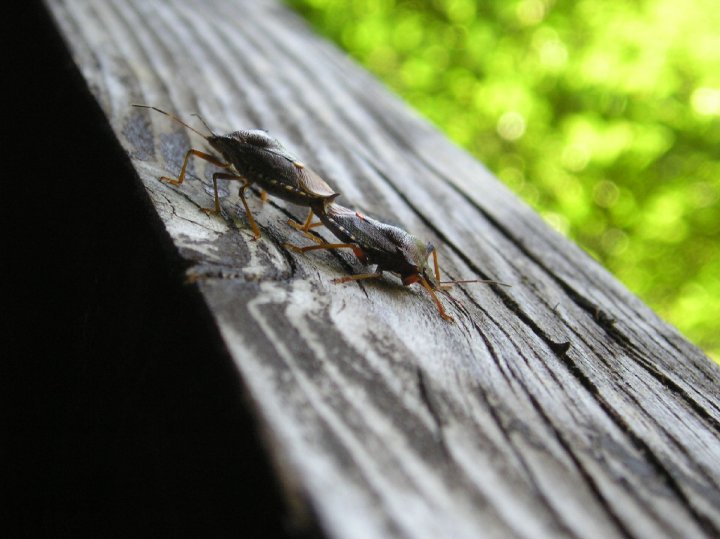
point(388, 247)
point(254, 157)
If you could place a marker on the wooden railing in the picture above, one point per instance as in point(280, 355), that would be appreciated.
point(561, 406)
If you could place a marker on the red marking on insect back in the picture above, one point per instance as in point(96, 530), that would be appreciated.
point(410, 279)
point(359, 253)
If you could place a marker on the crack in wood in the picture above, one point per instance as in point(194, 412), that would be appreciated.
point(560, 349)
point(427, 400)
point(593, 390)
point(607, 323)
point(390, 405)
point(530, 476)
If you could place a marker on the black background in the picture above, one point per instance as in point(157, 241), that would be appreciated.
point(125, 416)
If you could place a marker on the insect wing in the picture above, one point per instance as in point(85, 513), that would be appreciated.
point(365, 231)
point(282, 152)
point(278, 149)
point(262, 140)
point(311, 182)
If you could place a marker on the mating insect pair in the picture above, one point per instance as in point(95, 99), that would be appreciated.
point(259, 159)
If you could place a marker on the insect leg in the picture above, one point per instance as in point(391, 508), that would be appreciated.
point(443, 286)
point(357, 277)
point(427, 286)
point(435, 264)
point(250, 217)
point(214, 211)
point(356, 250)
point(220, 176)
point(328, 246)
point(197, 153)
point(307, 226)
point(308, 223)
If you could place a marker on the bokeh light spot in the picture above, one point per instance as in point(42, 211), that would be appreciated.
point(511, 126)
point(706, 101)
point(606, 194)
point(530, 12)
point(604, 115)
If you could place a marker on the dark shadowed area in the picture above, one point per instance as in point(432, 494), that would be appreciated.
point(124, 413)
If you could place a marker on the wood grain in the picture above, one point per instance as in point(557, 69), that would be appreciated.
point(561, 407)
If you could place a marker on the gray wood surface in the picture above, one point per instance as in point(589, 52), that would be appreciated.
point(560, 407)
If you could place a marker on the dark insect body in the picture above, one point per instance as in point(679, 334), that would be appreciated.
point(255, 157)
point(387, 247)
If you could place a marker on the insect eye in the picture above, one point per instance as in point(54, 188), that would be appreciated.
point(417, 252)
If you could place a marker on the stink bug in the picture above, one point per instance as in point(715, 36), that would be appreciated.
point(388, 247)
point(255, 157)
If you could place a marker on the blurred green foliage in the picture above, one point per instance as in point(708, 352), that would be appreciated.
point(605, 117)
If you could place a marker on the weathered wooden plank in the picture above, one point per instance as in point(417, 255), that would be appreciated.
point(560, 406)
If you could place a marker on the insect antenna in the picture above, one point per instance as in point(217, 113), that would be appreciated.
point(178, 120)
point(437, 275)
point(486, 281)
point(204, 123)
